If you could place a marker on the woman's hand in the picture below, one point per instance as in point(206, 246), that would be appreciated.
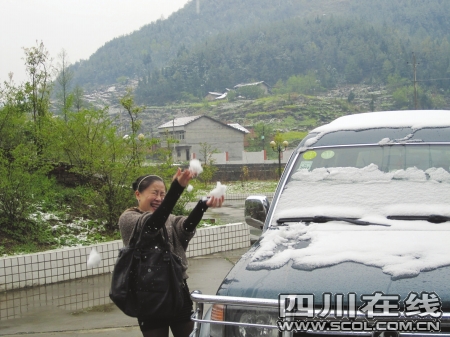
point(183, 177)
point(215, 202)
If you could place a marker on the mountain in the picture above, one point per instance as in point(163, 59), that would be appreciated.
point(231, 41)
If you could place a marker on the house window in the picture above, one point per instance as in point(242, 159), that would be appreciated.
point(178, 153)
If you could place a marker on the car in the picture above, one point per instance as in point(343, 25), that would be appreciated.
point(356, 239)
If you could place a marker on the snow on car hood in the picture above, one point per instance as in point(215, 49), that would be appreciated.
point(404, 249)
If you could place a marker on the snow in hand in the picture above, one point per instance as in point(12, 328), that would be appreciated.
point(218, 191)
point(94, 259)
point(195, 166)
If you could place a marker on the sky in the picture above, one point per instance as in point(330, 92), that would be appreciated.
point(79, 27)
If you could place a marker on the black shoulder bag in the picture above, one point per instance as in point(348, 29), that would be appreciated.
point(148, 282)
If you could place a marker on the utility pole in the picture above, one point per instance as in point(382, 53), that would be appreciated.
point(173, 133)
point(415, 81)
point(263, 138)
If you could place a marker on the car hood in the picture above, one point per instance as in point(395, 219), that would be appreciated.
point(344, 278)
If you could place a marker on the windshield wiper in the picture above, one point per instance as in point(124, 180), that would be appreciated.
point(323, 219)
point(433, 218)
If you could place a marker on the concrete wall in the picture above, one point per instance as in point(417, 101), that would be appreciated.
point(67, 264)
point(251, 158)
point(234, 172)
point(219, 136)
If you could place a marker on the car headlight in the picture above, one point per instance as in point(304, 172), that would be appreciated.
point(256, 317)
point(241, 315)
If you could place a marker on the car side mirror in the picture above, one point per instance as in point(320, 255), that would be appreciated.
point(256, 209)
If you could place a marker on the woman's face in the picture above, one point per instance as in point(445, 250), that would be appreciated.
point(151, 198)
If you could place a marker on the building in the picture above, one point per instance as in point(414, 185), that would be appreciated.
point(262, 85)
point(212, 96)
point(197, 133)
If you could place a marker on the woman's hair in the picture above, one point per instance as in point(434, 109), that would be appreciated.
point(144, 182)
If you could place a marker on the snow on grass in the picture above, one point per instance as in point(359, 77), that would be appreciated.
point(238, 187)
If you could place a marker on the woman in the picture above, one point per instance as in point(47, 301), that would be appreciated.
point(155, 206)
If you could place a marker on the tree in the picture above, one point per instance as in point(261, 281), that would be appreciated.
point(101, 158)
point(263, 132)
point(23, 175)
point(37, 89)
point(22, 184)
point(63, 79)
point(351, 97)
point(250, 91)
point(78, 101)
point(206, 152)
point(133, 111)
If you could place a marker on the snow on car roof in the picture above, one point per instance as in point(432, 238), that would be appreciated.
point(415, 119)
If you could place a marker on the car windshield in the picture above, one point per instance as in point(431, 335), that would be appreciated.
point(358, 181)
point(386, 158)
point(380, 205)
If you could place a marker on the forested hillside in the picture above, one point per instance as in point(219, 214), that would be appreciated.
point(333, 50)
point(226, 42)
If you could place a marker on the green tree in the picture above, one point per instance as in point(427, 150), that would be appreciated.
point(263, 132)
point(37, 90)
point(102, 160)
point(64, 78)
point(22, 184)
point(23, 174)
point(351, 97)
point(78, 101)
point(206, 153)
point(250, 91)
point(133, 111)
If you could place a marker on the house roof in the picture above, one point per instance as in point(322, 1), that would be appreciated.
point(249, 84)
point(179, 122)
point(186, 120)
point(222, 96)
point(239, 127)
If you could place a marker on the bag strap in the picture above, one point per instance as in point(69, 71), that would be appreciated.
point(137, 241)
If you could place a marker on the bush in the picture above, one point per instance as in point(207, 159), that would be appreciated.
point(22, 185)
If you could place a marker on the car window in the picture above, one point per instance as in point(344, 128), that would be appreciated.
point(387, 158)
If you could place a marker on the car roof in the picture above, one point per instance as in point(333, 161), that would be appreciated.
point(414, 119)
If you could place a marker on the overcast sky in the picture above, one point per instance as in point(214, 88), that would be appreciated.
point(78, 26)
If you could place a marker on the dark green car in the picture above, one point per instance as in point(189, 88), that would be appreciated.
point(356, 240)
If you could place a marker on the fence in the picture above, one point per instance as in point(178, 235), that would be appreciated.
point(68, 264)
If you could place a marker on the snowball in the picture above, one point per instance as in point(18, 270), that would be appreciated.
point(189, 188)
point(94, 259)
point(219, 191)
point(195, 166)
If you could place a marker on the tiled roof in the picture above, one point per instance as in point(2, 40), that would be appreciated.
point(248, 84)
point(239, 127)
point(179, 122)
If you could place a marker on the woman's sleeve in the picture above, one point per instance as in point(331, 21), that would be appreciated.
point(195, 216)
point(158, 218)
